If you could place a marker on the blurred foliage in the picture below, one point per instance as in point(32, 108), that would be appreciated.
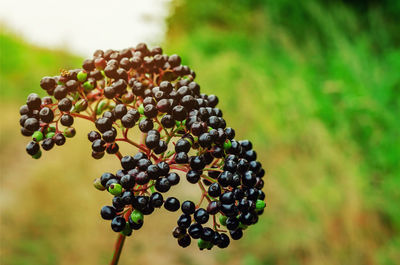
point(316, 84)
point(23, 65)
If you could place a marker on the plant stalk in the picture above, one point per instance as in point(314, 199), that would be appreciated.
point(118, 249)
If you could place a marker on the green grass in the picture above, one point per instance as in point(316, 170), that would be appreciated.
point(317, 88)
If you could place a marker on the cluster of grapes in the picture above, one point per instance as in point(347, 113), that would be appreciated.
point(182, 131)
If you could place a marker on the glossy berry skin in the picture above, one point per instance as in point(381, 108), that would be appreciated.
point(249, 179)
point(171, 204)
point(128, 162)
point(146, 125)
point(118, 224)
point(59, 139)
point(184, 241)
point(225, 178)
point(195, 230)
point(153, 171)
point(229, 209)
point(152, 140)
point(46, 115)
point(156, 200)
point(181, 158)
point(162, 185)
point(48, 144)
point(184, 221)
point(164, 168)
point(213, 207)
point(224, 241)
point(208, 234)
point(182, 145)
point(201, 216)
point(142, 178)
point(31, 124)
point(93, 135)
point(173, 178)
point(128, 120)
point(232, 223)
point(214, 190)
point(197, 163)
point(179, 113)
point(167, 121)
point(193, 176)
point(133, 225)
point(33, 101)
point(236, 234)
point(105, 177)
point(108, 212)
point(143, 164)
point(227, 197)
point(188, 207)
point(67, 120)
point(32, 148)
point(127, 182)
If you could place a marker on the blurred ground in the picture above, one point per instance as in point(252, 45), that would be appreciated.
point(316, 87)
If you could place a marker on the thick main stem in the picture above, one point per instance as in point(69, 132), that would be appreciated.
point(118, 249)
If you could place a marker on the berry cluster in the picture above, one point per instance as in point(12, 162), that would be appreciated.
point(183, 132)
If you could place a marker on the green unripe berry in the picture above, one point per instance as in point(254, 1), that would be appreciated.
point(101, 106)
point(136, 216)
point(141, 109)
point(260, 205)
point(222, 220)
point(37, 155)
point(80, 105)
point(203, 244)
point(81, 76)
point(111, 105)
point(37, 136)
point(127, 230)
point(227, 144)
point(115, 189)
point(97, 184)
point(51, 129)
point(50, 134)
point(88, 86)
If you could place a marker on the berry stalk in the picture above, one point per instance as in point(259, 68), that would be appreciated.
point(119, 244)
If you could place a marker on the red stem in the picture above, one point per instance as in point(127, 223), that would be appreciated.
point(82, 116)
point(132, 143)
point(118, 249)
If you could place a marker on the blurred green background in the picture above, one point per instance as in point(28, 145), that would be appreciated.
point(314, 84)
